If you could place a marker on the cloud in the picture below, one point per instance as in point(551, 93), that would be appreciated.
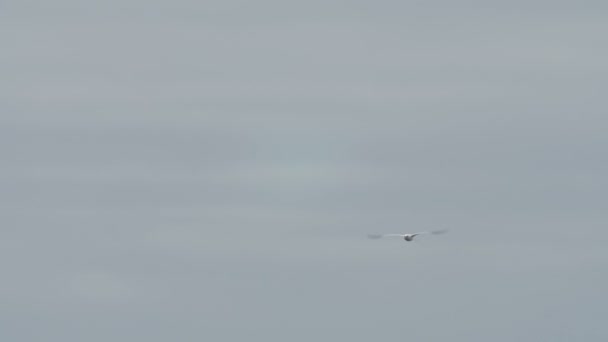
point(210, 170)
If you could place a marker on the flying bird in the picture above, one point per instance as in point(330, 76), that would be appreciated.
point(406, 237)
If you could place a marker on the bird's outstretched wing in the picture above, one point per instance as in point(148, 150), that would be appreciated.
point(434, 232)
point(379, 236)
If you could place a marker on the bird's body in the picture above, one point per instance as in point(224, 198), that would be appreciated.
point(407, 237)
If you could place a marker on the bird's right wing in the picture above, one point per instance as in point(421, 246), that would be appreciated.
point(379, 236)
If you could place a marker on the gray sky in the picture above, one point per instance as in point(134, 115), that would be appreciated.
point(208, 170)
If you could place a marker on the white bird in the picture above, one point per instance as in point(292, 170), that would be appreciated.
point(406, 237)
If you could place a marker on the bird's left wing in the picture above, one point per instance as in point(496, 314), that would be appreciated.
point(434, 232)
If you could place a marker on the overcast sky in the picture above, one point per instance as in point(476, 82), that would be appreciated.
point(208, 170)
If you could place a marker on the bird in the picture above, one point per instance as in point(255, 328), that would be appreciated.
point(407, 237)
